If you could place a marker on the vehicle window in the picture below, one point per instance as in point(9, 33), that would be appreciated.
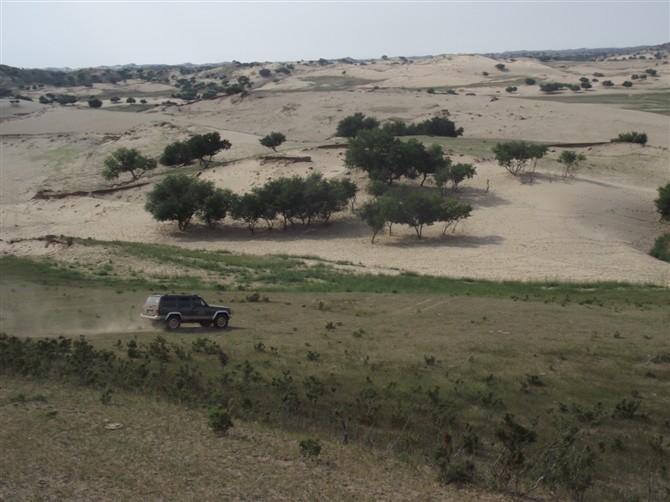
point(184, 302)
point(199, 302)
point(169, 303)
point(152, 301)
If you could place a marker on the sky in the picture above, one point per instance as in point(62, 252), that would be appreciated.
point(81, 33)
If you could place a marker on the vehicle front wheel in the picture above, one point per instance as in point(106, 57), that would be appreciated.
point(173, 323)
point(221, 321)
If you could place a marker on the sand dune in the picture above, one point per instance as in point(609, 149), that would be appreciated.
point(597, 226)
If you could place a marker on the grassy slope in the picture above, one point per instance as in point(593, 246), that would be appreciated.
point(549, 355)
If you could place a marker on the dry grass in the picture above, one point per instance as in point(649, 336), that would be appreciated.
point(57, 444)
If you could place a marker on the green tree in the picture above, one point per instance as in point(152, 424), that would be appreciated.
point(176, 154)
point(552, 87)
point(663, 201)
point(93, 103)
point(115, 99)
point(130, 100)
point(514, 155)
point(251, 207)
point(381, 155)
point(455, 174)
point(215, 206)
point(430, 161)
point(65, 99)
point(570, 160)
point(273, 140)
point(350, 126)
point(204, 146)
point(177, 198)
point(372, 213)
point(127, 160)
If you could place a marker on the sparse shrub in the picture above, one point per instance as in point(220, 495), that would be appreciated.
point(511, 88)
point(530, 81)
point(313, 356)
point(133, 351)
point(310, 447)
point(627, 83)
point(500, 66)
point(93, 103)
point(430, 90)
point(626, 409)
point(159, 349)
point(219, 420)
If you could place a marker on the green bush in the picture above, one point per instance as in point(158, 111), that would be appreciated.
point(310, 448)
point(661, 248)
point(219, 420)
point(663, 201)
point(631, 137)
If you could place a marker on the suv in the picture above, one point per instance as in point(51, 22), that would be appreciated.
point(173, 310)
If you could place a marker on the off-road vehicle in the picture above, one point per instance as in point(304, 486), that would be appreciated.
point(173, 310)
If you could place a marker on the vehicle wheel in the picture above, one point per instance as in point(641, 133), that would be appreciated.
point(173, 323)
point(221, 321)
point(204, 324)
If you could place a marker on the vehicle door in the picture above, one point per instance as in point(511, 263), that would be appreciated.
point(201, 310)
point(185, 307)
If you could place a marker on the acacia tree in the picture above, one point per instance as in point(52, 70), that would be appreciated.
point(127, 160)
point(273, 140)
point(514, 155)
point(570, 160)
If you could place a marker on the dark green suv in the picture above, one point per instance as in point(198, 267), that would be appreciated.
point(173, 310)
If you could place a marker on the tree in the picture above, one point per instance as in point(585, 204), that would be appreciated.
point(663, 202)
point(93, 103)
point(65, 99)
point(127, 160)
point(176, 154)
point(204, 146)
point(177, 198)
point(381, 155)
point(371, 212)
point(273, 140)
point(530, 81)
point(215, 206)
point(455, 174)
point(627, 83)
point(349, 126)
point(571, 161)
point(115, 99)
point(552, 87)
point(430, 161)
point(514, 155)
point(130, 100)
point(500, 66)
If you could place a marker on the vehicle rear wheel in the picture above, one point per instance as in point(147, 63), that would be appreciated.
point(221, 321)
point(173, 323)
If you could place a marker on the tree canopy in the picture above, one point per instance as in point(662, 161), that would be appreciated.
point(514, 155)
point(273, 140)
point(350, 126)
point(127, 160)
point(177, 198)
point(202, 147)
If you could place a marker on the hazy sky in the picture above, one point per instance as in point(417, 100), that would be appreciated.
point(76, 34)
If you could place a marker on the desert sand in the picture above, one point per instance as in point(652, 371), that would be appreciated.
point(596, 226)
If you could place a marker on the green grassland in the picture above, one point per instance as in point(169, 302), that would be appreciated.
point(492, 384)
point(656, 102)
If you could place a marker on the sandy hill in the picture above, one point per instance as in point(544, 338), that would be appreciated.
point(597, 226)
